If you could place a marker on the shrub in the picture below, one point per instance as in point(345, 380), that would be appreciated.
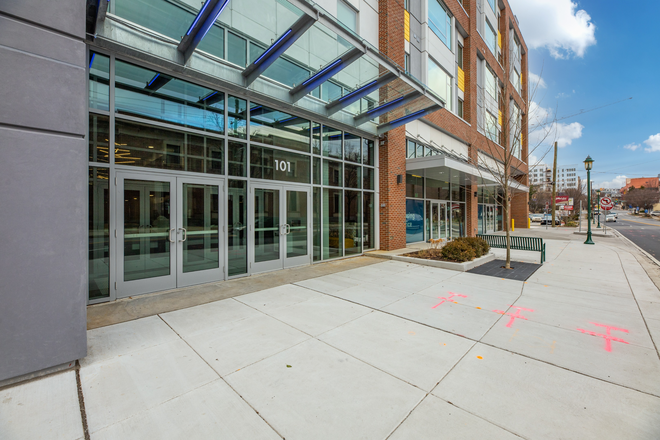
point(571, 224)
point(458, 250)
point(479, 245)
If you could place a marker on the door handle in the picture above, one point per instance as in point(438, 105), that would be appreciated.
point(283, 230)
point(185, 234)
point(170, 235)
point(288, 229)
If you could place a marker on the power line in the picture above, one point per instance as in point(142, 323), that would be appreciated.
point(580, 113)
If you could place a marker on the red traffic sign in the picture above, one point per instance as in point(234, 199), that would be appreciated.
point(606, 203)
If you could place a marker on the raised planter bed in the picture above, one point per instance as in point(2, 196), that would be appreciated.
point(461, 267)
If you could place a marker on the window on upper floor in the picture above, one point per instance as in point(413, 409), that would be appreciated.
point(459, 56)
point(440, 21)
point(491, 83)
point(516, 80)
point(491, 38)
point(440, 82)
point(492, 5)
point(459, 110)
point(347, 15)
point(516, 49)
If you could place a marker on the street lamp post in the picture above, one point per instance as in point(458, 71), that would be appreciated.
point(588, 163)
point(598, 202)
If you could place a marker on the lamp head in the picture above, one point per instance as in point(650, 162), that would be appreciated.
point(588, 163)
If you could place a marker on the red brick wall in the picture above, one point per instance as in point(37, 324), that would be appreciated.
point(392, 216)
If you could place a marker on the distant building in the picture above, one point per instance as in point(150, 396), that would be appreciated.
point(541, 175)
point(613, 193)
point(646, 182)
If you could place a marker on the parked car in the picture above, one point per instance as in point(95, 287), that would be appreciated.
point(610, 218)
point(547, 220)
point(655, 213)
point(536, 217)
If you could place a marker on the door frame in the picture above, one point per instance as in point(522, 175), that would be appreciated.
point(208, 275)
point(146, 285)
point(283, 261)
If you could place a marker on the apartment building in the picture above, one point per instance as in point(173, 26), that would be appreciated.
point(568, 176)
point(150, 145)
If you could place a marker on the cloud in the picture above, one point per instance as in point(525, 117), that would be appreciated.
point(632, 146)
point(536, 82)
point(556, 25)
point(567, 133)
point(617, 182)
point(653, 142)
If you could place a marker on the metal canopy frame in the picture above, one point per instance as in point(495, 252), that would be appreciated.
point(385, 108)
point(205, 18)
point(312, 14)
point(325, 73)
point(158, 81)
point(387, 126)
point(95, 13)
point(348, 99)
point(270, 55)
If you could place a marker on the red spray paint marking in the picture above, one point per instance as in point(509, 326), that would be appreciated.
point(447, 299)
point(607, 337)
point(514, 315)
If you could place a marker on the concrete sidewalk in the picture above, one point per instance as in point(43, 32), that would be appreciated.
point(385, 351)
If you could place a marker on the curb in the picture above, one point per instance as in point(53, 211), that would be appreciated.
point(649, 256)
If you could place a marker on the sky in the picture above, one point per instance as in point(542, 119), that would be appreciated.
point(588, 58)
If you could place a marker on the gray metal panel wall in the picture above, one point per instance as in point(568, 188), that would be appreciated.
point(43, 185)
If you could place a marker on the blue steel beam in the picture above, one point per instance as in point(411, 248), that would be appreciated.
point(207, 15)
point(158, 81)
point(348, 99)
point(387, 126)
point(270, 55)
point(324, 74)
point(387, 107)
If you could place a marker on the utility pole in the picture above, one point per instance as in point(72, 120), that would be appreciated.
point(554, 186)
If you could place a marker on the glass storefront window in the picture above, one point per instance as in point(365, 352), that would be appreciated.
point(316, 224)
point(152, 95)
point(237, 117)
point(352, 176)
point(237, 227)
point(236, 159)
point(236, 49)
point(333, 244)
point(420, 151)
point(437, 189)
point(154, 147)
point(457, 193)
point(273, 127)
point(331, 142)
point(352, 229)
point(282, 70)
point(368, 178)
point(98, 138)
point(414, 186)
point(99, 82)
point(214, 41)
point(414, 221)
point(161, 16)
point(99, 233)
point(368, 152)
point(316, 138)
point(316, 171)
point(352, 147)
point(458, 220)
point(330, 91)
point(272, 164)
point(332, 173)
point(368, 225)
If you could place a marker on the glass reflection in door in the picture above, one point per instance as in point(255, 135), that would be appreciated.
point(199, 233)
point(435, 219)
point(296, 220)
point(266, 225)
point(146, 229)
point(442, 220)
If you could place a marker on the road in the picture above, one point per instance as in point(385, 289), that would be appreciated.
point(644, 232)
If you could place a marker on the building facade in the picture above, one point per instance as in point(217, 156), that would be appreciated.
point(641, 182)
point(167, 143)
point(568, 177)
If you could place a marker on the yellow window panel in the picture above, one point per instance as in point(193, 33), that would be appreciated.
point(499, 118)
point(461, 79)
point(406, 25)
point(499, 39)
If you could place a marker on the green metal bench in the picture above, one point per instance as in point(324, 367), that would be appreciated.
point(517, 243)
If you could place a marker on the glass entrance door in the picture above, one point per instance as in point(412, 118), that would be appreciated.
point(168, 232)
point(280, 226)
point(490, 219)
point(438, 220)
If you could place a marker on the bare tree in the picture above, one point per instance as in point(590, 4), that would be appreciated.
point(643, 198)
point(502, 154)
